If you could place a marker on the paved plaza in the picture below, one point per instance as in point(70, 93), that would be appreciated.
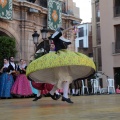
point(92, 107)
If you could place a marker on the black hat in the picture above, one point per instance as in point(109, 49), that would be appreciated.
point(50, 36)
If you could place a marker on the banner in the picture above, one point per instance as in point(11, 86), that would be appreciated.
point(54, 14)
point(6, 9)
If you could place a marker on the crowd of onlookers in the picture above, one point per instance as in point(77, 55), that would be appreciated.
point(14, 83)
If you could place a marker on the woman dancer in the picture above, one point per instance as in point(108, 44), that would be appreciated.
point(6, 80)
point(61, 67)
point(21, 85)
point(45, 88)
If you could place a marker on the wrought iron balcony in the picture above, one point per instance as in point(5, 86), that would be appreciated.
point(117, 11)
point(115, 47)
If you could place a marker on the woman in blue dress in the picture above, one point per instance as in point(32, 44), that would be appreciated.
point(6, 80)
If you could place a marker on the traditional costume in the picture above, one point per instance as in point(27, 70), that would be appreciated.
point(13, 68)
point(45, 88)
point(6, 82)
point(21, 86)
point(61, 67)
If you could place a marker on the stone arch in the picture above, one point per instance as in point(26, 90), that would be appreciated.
point(10, 32)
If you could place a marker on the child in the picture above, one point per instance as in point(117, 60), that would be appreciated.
point(118, 89)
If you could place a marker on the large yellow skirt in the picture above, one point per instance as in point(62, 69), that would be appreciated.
point(64, 66)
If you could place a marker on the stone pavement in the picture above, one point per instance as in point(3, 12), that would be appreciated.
point(91, 107)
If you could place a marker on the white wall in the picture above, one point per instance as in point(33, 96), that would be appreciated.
point(87, 29)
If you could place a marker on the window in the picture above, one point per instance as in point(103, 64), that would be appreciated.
point(117, 43)
point(63, 8)
point(97, 12)
point(43, 3)
point(90, 54)
point(99, 60)
point(117, 8)
point(33, 1)
point(98, 35)
point(80, 43)
point(80, 32)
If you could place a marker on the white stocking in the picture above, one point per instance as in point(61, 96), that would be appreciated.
point(53, 90)
point(57, 92)
point(77, 90)
point(65, 89)
point(73, 91)
point(39, 93)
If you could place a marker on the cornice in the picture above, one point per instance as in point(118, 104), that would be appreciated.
point(43, 10)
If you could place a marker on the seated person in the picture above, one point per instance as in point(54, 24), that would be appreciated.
point(118, 89)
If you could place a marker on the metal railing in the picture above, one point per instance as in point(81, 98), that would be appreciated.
point(115, 47)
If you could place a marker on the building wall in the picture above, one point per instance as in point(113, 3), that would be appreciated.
point(94, 42)
point(107, 23)
point(87, 40)
point(107, 36)
point(24, 24)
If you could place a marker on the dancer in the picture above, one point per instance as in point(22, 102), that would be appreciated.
point(21, 86)
point(45, 88)
point(6, 80)
point(61, 67)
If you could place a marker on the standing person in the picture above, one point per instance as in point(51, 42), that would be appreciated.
point(6, 80)
point(21, 85)
point(13, 67)
point(61, 67)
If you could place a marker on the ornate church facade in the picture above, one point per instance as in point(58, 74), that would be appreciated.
point(32, 15)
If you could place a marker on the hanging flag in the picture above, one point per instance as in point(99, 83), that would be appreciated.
point(54, 14)
point(6, 9)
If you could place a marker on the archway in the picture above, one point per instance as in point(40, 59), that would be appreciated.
point(5, 32)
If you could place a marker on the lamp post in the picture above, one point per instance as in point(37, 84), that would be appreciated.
point(44, 36)
point(35, 38)
point(44, 33)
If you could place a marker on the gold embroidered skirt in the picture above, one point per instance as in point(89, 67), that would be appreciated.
point(64, 66)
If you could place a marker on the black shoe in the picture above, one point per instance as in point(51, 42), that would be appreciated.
point(55, 96)
point(77, 95)
point(67, 100)
point(73, 94)
point(36, 98)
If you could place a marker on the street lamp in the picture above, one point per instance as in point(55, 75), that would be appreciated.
point(35, 38)
point(44, 33)
point(44, 37)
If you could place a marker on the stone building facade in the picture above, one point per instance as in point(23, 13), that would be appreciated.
point(25, 22)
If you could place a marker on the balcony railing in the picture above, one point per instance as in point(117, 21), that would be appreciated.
point(117, 11)
point(115, 47)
